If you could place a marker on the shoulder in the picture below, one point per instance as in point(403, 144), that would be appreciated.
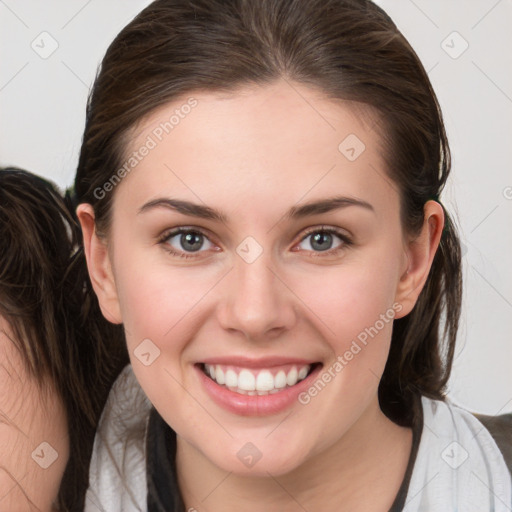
point(500, 428)
point(497, 429)
point(459, 459)
point(117, 475)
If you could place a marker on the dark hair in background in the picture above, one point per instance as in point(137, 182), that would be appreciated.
point(349, 49)
point(48, 301)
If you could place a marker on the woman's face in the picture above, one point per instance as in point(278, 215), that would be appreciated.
point(268, 283)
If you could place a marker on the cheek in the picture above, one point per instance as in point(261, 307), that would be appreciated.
point(354, 311)
point(158, 303)
point(156, 297)
point(346, 300)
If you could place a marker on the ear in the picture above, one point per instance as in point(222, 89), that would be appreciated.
point(420, 254)
point(99, 265)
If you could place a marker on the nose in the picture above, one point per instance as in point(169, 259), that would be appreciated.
point(257, 301)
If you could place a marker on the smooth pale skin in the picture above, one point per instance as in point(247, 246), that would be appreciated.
point(30, 414)
point(254, 154)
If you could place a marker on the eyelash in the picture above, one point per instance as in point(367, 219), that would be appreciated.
point(347, 242)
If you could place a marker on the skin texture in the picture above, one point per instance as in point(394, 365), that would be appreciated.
point(254, 154)
point(30, 414)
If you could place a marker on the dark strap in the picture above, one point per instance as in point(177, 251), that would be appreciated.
point(417, 430)
point(163, 491)
point(500, 427)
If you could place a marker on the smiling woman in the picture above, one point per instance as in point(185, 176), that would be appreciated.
point(283, 239)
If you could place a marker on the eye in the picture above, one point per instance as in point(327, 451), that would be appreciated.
point(321, 240)
point(182, 241)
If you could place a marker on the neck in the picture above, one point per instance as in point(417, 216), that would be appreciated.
point(373, 454)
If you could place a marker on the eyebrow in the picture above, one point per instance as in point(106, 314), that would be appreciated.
point(294, 213)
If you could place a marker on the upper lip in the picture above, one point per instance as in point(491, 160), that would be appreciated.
point(263, 362)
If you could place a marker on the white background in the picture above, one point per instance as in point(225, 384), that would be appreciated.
point(42, 112)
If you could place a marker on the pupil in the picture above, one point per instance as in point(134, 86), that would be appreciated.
point(193, 239)
point(320, 238)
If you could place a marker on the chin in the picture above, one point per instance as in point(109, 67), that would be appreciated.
point(258, 458)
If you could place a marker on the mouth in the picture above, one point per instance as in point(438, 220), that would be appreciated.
point(260, 382)
point(249, 388)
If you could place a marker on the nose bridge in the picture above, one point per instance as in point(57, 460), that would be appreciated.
point(257, 300)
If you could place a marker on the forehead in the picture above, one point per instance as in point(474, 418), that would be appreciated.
point(282, 140)
point(292, 112)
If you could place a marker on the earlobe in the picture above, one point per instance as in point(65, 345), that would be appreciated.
point(99, 265)
point(420, 254)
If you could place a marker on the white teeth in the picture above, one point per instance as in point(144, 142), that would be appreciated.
point(265, 381)
point(291, 378)
point(219, 375)
point(231, 379)
point(260, 382)
point(303, 372)
point(246, 381)
point(280, 379)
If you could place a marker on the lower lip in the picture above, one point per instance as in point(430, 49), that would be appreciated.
point(255, 405)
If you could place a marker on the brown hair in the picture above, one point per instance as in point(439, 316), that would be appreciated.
point(47, 300)
point(351, 50)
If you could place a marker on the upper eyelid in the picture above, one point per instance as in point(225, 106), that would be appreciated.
point(329, 229)
point(171, 233)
